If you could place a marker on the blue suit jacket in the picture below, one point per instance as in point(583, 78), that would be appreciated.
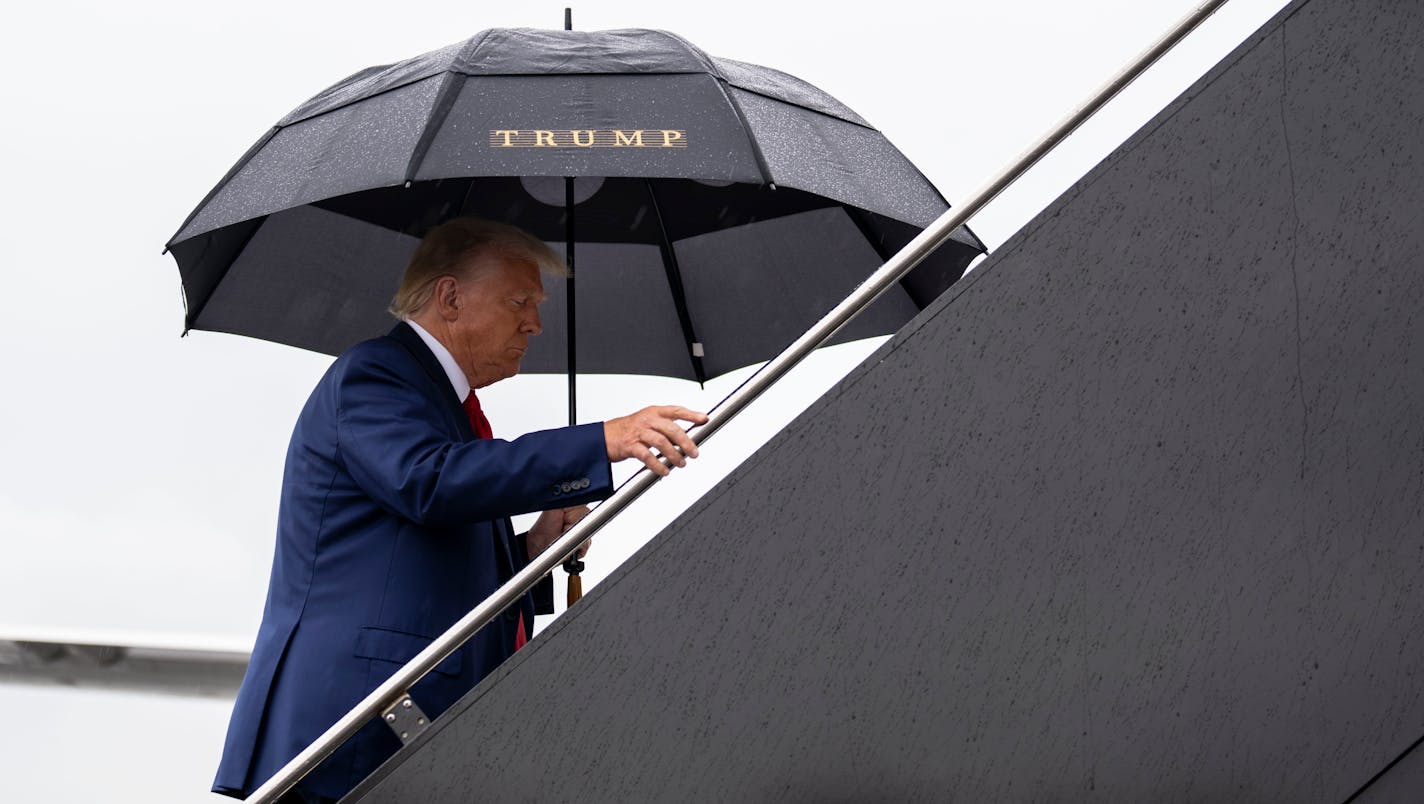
point(393, 524)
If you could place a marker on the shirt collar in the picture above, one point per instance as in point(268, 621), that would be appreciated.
point(458, 380)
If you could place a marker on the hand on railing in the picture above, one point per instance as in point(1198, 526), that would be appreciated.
point(553, 524)
point(653, 428)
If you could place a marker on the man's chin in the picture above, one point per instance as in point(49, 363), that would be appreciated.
point(496, 373)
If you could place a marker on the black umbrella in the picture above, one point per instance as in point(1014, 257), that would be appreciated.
point(719, 207)
point(729, 204)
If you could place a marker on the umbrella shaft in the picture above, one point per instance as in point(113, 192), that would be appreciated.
point(569, 298)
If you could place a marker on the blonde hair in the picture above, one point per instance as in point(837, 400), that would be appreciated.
point(451, 248)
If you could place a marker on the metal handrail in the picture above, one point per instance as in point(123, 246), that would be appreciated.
point(396, 688)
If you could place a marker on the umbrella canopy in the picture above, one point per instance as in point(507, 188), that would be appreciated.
point(721, 207)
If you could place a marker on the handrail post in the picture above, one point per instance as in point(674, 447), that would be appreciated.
point(867, 292)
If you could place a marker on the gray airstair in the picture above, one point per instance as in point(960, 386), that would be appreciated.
point(1135, 512)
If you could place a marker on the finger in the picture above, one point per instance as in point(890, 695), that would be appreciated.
point(679, 437)
point(649, 460)
point(660, 441)
point(574, 514)
point(684, 442)
point(689, 415)
point(657, 440)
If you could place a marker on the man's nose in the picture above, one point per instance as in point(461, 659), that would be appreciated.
point(531, 322)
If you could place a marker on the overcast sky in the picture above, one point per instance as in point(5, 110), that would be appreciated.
point(140, 471)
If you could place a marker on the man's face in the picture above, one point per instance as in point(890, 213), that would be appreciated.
point(499, 311)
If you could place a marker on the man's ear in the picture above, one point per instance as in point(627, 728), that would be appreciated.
point(447, 297)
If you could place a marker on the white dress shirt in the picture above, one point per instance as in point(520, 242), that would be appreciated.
point(458, 380)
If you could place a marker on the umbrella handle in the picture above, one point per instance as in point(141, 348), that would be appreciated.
point(573, 567)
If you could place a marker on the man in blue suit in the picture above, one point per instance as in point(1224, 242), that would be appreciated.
point(394, 518)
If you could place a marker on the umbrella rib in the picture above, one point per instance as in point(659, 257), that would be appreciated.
point(191, 320)
point(241, 163)
point(857, 216)
point(571, 357)
point(862, 222)
point(747, 129)
point(444, 102)
point(679, 296)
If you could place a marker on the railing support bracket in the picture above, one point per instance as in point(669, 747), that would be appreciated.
point(405, 719)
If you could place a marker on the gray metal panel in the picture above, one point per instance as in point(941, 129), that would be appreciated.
point(1134, 512)
point(1400, 783)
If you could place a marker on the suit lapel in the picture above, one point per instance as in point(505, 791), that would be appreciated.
point(402, 333)
point(406, 336)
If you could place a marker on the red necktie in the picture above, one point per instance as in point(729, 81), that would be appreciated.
point(483, 430)
point(477, 416)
